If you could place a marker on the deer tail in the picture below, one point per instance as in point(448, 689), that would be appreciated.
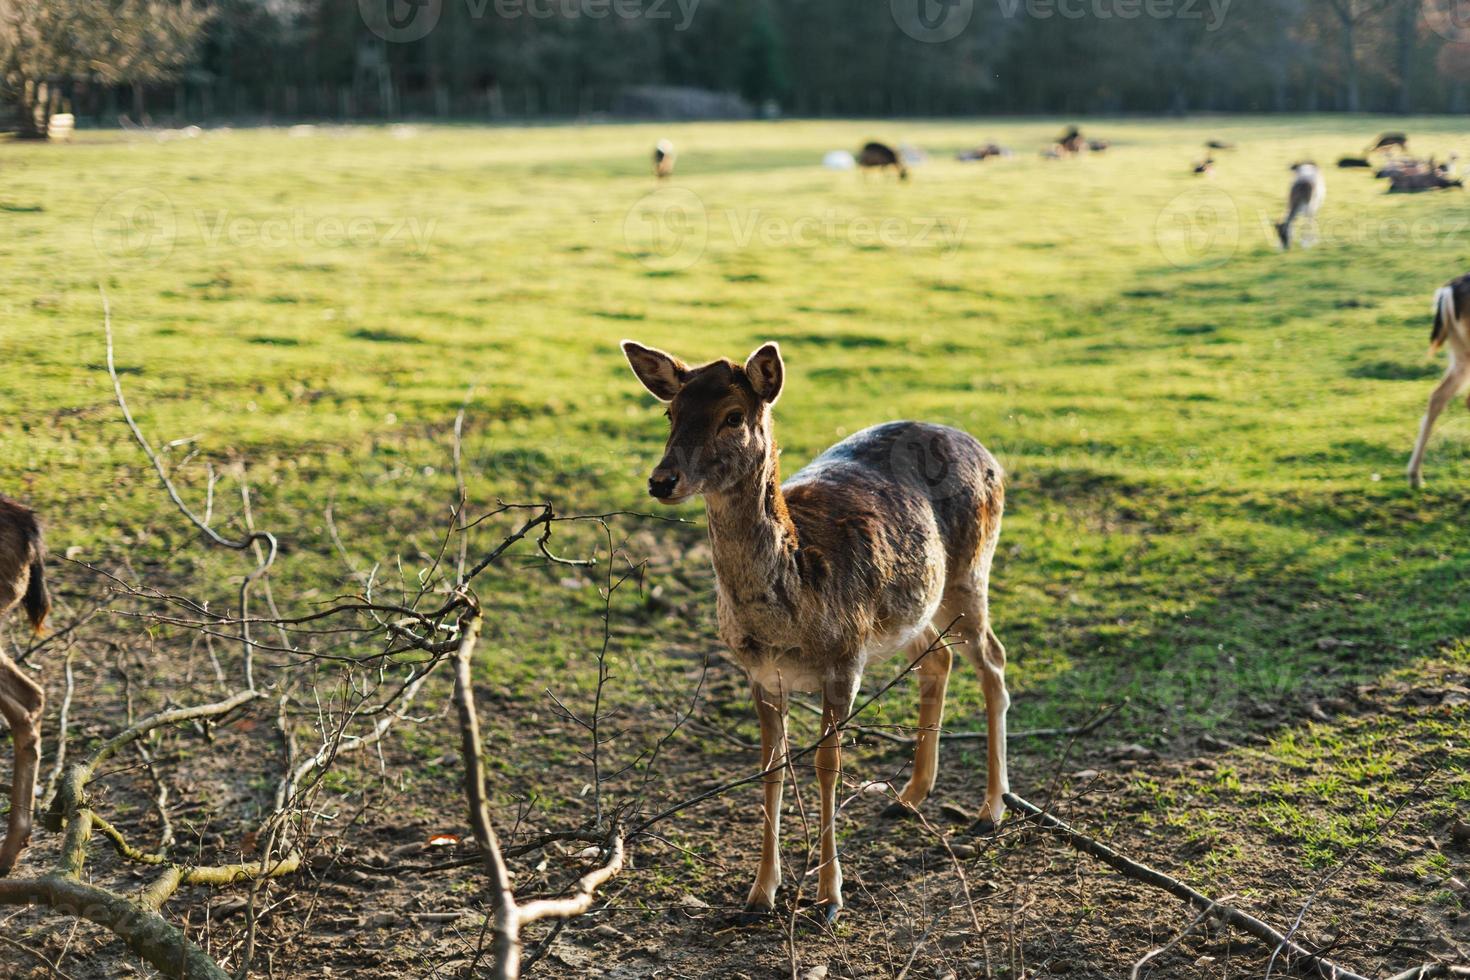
point(37, 600)
point(1444, 318)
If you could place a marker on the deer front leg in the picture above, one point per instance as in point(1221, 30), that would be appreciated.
point(21, 703)
point(770, 709)
point(1453, 382)
point(837, 698)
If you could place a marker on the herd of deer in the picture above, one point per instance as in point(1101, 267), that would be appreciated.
point(881, 546)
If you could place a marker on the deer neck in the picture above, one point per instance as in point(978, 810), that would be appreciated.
point(751, 534)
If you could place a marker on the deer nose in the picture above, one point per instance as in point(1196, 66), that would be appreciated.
point(662, 483)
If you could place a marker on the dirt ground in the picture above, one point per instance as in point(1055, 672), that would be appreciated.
point(1021, 904)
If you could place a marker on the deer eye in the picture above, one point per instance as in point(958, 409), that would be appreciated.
point(733, 420)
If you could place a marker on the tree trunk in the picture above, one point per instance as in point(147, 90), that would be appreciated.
point(1350, 67)
point(1408, 18)
point(33, 120)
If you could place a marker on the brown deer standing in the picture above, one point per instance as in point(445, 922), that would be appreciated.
point(879, 156)
point(1072, 142)
point(22, 582)
point(1451, 303)
point(873, 549)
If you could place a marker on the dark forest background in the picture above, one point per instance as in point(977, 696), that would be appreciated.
point(486, 59)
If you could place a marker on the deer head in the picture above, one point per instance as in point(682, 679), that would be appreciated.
point(719, 418)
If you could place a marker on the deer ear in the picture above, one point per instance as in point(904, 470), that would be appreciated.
point(662, 374)
point(766, 372)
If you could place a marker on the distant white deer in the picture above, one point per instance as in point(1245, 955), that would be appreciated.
point(878, 545)
point(663, 159)
point(1304, 200)
point(1451, 303)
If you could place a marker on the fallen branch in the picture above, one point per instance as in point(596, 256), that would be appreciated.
point(1300, 959)
point(1086, 728)
point(509, 916)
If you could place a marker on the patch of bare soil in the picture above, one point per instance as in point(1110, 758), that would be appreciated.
point(1369, 867)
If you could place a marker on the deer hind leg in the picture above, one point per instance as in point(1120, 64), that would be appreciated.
point(983, 649)
point(931, 661)
point(1454, 381)
point(21, 703)
point(837, 698)
point(770, 709)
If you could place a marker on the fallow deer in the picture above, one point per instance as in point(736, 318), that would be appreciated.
point(879, 156)
point(1388, 141)
point(663, 159)
point(23, 583)
point(1451, 330)
point(1304, 200)
point(1072, 141)
point(877, 546)
point(1416, 182)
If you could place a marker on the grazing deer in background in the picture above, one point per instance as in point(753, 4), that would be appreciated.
point(877, 156)
point(1414, 182)
point(983, 152)
point(663, 159)
point(1451, 302)
point(1388, 141)
point(875, 547)
point(22, 582)
point(1072, 142)
point(1304, 200)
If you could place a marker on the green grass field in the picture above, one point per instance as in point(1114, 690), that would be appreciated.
point(1205, 457)
point(1205, 438)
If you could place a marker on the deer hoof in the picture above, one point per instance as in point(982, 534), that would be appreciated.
point(754, 915)
point(824, 911)
point(984, 827)
point(898, 810)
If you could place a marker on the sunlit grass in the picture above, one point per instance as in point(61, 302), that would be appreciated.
point(1204, 437)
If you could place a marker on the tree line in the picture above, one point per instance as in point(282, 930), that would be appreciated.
point(190, 60)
